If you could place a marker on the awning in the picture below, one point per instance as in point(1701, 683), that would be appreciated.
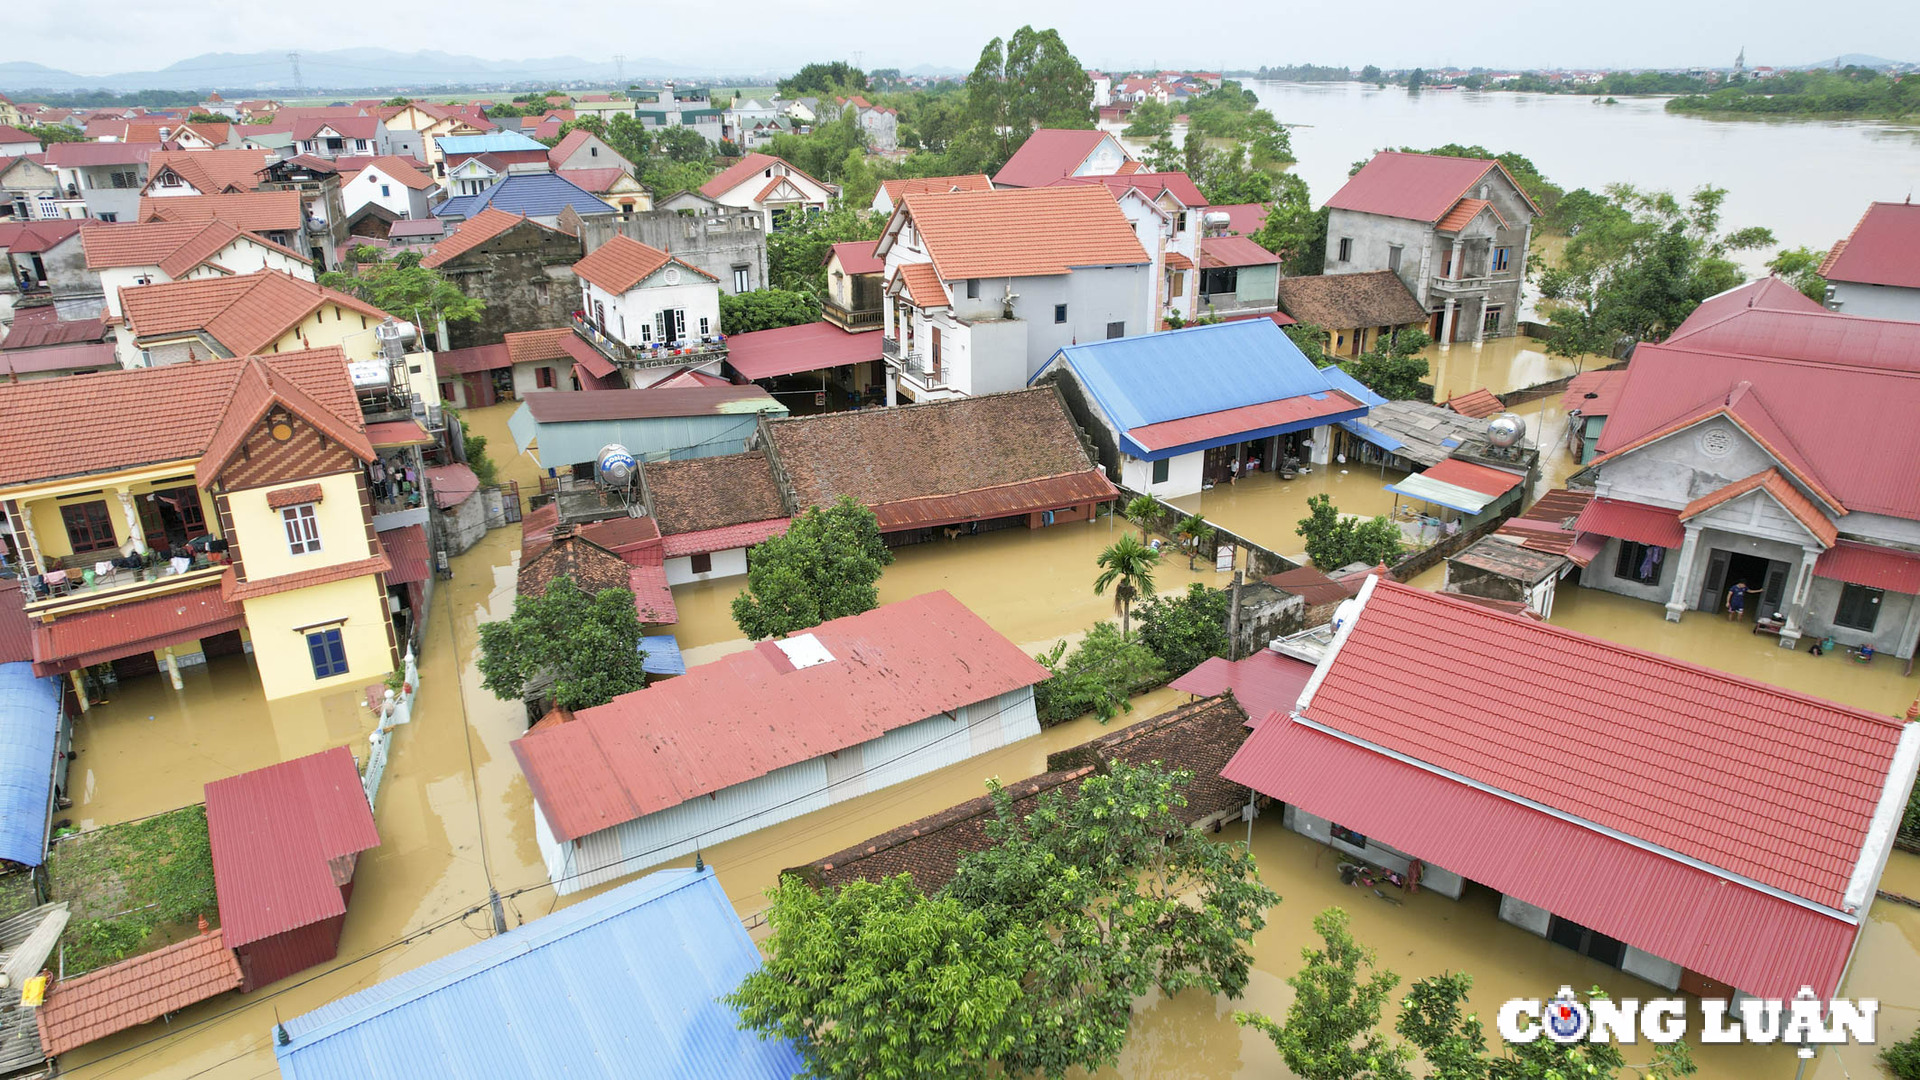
point(587, 356)
point(1381, 439)
point(590, 381)
point(395, 433)
point(1481, 478)
point(663, 655)
point(1875, 567)
point(29, 728)
point(1586, 548)
point(789, 350)
point(1737, 935)
point(1451, 496)
point(109, 633)
point(1006, 500)
point(1651, 525)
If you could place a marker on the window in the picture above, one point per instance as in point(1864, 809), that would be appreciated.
point(1180, 221)
point(1161, 470)
point(1501, 257)
point(1116, 330)
point(1859, 607)
point(359, 144)
point(1220, 279)
point(169, 179)
point(1059, 313)
point(593, 151)
point(702, 563)
point(303, 529)
point(89, 526)
point(1346, 249)
point(109, 217)
point(973, 288)
point(385, 191)
point(740, 283)
point(329, 653)
point(704, 324)
point(543, 378)
point(1179, 283)
point(1393, 257)
point(1640, 563)
point(1347, 836)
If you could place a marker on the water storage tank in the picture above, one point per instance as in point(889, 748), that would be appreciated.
point(614, 466)
point(1217, 219)
point(1506, 430)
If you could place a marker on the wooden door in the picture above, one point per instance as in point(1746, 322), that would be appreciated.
point(1775, 590)
point(1715, 581)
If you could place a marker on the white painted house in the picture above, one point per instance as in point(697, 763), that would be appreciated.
point(157, 252)
point(651, 302)
point(766, 735)
point(392, 183)
point(1168, 216)
point(768, 184)
point(711, 510)
point(982, 287)
point(1875, 271)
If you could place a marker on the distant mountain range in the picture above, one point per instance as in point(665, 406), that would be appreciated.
point(369, 69)
point(1857, 60)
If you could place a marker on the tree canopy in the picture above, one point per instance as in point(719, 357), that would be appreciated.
point(1294, 230)
point(1393, 369)
point(823, 80)
point(826, 566)
point(584, 650)
point(1800, 267)
point(1102, 673)
point(796, 255)
point(1334, 541)
point(1850, 91)
point(405, 289)
point(1030, 80)
point(766, 309)
point(1185, 630)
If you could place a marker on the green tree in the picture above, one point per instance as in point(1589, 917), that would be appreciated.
point(1311, 340)
point(399, 101)
point(407, 290)
point(1334, 541)
point(766, 309)
point(584, 649)
point(825, 567)
point(593, 124)
point(1193, 532)
point(1126, 566)
point(1332, 1027)
point(1184, 630)
point(1294, 230)
point(1150, 120)
point(56, 133)
point(1100, 676)
point(797, 254)
point(1903, 1058)
point(1800, 268)
point(1416, 79)
point(198, 117)
point(1030, 80)
point(824, 80)
point(1370, 74)
point(1394, 370)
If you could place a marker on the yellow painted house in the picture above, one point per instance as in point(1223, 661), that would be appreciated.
point(169, 514)
point(433, 122)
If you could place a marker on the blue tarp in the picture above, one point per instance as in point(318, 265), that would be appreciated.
point(625, 984)
point(663, 655)
point(29, 730)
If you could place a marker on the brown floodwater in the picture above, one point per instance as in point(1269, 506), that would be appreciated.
point(455, 813)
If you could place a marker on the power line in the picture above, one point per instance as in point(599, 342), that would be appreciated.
point(298, 86)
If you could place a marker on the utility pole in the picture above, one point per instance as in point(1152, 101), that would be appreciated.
point(857, 54)
point(619, 71)
point(294, 59)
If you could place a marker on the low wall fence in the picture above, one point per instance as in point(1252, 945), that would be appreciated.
point(395, 709)
point(1261, 561)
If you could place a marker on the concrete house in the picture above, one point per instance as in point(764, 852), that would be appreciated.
point(1357, 311)
point(341, 136)
point(853, 705)
point(711, 510)
point(395, 184)
point(30, 189)
point(101, 180)
point(654, 424)
point(520, 267)
point(133, 254)
point(1172, 412)
point(17, 143)
point(276, 215)
point(1875, 271)
point(855, 284)
point(1051, 154)
point(1455, 230)
point(890, 192)
point(643, 308)
point(1238, 277)
point(177, 173)
point(968, 311)
point(45, 264)
point(879, 124)
point(1417, 744)
point(1167, 212)
point(582, 149)
point(769, 185)
point(1734, 456)
point(727, 242)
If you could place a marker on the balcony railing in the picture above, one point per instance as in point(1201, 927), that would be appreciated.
point(119, 587)
point(1465, 285)
point(893, 350)
point(651, 355)
point(852, 318)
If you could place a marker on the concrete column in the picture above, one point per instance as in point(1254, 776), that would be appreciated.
point(1683, 574)
point(1446, 324)
point(1480, 324)
point(24, 522)
point(1797, 598)
point(80, 688)
point(893, 387)
point(1453, 260)
point(173, 669)
point(134, 532)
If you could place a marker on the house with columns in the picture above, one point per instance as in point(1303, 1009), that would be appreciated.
point(1737, 454)
point(1454, 229)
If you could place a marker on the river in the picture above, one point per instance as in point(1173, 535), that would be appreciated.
point(1807, 180)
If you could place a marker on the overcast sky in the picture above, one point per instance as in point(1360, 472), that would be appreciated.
point(99, 36)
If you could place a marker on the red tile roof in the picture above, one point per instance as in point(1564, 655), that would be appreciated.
point(1773, 483)
point(1177, 261)
point(254, 211)
point(407, 548)
point(1547, 525)
point(1652, 525)
point(1865, 564)
point(473, 232)
point(764, 354)
point(920, 185)
point(623, 262)
point(1880, 250)
point(1264, 683)
point(922, 284)
point(401, 170)
point(174, 246)
point(1421, 187)
point(751, 713)
point(1605, 386)
point(1246, 418)
point(1235, 251)
point(234, 589)
point(856, 257)
point(211, 172)
point(1046, 156)
point(1772, 785)
point(1464, 212)
point(474, 359)
point(349, 127)
point(1480, 478)
point(32, 237)
point(245, 313)
point(1740, 936)
point(135, 991)
point(284, 838)
point(1150, 184)
point(526, 346)
point(1022, 233)
point(746, 169)
point(1476, 403)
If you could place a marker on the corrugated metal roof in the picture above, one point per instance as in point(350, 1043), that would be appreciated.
point(1864, 564)
point(1481, 478)
point(587, 357)
point(1423, 487)
point(1421, 187)
point(16, 637)
point(1762, 782)
point(1652, 525)
point(109, 633)
point(29, 728)
point(1263, 684)
point(764, 354)
point(393, 433)
point(1047, 155)
point(662, 655)
point(646, 404)
point(487, 144)
point(744, 716)
point(1004, 500)
point(407, 548)
point(725, 538)
point(1421, 432)
point(1604, 388)
point(1880, 249)
point(1547, 525)
point(274, 833)
point(623, 985)
point(1737, 935)
point(1243, 424)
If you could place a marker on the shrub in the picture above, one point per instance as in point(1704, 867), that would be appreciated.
point(1098, 677)
point(1183, 631)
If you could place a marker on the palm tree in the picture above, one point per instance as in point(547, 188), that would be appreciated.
point(1127, 565)
point(1141, 510)
point(1192, 532)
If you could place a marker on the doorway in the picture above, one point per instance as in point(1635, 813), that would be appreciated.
point(1586, 942)
point(1766, 581)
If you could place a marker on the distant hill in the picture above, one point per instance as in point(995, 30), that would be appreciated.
point(348, 68)
point(1858, 60)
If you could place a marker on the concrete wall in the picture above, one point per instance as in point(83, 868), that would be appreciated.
point(526, 381)
point(525, 275)
point(630, 313)
point(1267, 613)
point(716, 242)
point(1432, 878)
point(729, 563)
point(1534, 920)
point(1184, 475)
point(1874, 301)
point(281, 653)
point(462, 526)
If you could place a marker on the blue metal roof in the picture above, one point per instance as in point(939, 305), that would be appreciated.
point(29, 728)
point(496, 143)
point(626, 984)
point(663, 655)
point(1373, 435)
point(528, 194)
point(1195, 371)
point(1338, 378)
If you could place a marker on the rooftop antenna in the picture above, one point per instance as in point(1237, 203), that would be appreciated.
point(298, 86)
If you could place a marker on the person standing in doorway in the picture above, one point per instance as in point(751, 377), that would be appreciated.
point(1737, 601)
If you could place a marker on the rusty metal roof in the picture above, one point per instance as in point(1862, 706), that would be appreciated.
point(280, 836)
point(136, 991)
point(109, 633)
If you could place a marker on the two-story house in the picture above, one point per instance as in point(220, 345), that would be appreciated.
point(30, 190)
point(688, 107)
point(399, 186)
point(1456, 230)
point(276, 215)
point(318, 182)
point(879, 124)
point(982, 287)
point(1875, 270)
point(1168, 215)
point(522, 269)
point(102, 180)
point(771, 186)
point(582, 149)
point(856, 284)
point(427, 123)
point(642, 309)
point(132, 254)
point(341, 136)
point(180, 173)
point(166, 515)
point(503, 152)
point(543, 196)
point(1051, 154)
point(1735, 455)
point(890, 192)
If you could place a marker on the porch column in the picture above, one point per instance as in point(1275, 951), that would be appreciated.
point(1797, 599)
point(1453, 260)
point(134, 532)
point(1683, 574)
point(173, 669)
point(1446, 324)
point(893, 386)
point(23, 540)
point(1480, 324)
point(80, 689)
